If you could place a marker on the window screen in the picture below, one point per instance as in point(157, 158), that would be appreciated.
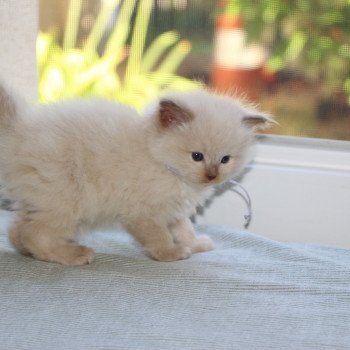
point(292, 58)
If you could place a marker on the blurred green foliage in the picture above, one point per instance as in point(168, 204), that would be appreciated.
point(308, 35)
point(129, 74)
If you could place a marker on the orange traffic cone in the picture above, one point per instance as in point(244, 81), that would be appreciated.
point(236, 67)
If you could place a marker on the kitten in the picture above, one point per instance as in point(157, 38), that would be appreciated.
point(82, 164)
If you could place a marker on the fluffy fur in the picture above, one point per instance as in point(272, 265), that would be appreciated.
point(82, 164)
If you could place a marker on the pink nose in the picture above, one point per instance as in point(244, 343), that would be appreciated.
point(210, 176)
point(211, 173)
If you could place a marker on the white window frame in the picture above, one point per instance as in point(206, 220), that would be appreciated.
point(300, 187)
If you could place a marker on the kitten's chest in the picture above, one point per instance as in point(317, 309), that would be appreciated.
point(183, 201)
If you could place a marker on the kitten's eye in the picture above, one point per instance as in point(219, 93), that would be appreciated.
point(197, 156)
point(225, 159)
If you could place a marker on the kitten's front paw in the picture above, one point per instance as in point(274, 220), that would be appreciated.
point(176, 252)
point(80, 256)
point(201, 243)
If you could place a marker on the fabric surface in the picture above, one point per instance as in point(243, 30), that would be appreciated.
point(249, 293)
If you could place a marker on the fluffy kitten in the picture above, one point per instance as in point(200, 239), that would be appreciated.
point(82, 164)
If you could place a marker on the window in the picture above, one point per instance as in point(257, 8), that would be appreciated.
point(291, 57)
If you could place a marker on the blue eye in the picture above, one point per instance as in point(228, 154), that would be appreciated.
point(225, 159)
point(197, 156)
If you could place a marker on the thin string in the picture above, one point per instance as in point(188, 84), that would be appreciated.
point(246, 197)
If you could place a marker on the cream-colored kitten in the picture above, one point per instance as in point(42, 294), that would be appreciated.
point(82, 164)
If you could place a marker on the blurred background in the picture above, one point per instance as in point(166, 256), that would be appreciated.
point(292, 58)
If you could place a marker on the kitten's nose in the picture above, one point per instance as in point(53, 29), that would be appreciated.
point(211, 173)
point(210, 177)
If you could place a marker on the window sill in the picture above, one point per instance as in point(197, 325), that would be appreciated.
point(303, 153)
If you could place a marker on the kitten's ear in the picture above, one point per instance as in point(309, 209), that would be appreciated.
point(170, 114)
point(257, 121)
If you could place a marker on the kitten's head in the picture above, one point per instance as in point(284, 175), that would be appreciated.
point(201, 137)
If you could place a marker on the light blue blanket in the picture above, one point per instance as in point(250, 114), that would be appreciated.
point(249, 293)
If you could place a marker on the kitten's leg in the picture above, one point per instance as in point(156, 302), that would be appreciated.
point(15, 239)
point(157, 241)
point(183, 232)
point(47, 243)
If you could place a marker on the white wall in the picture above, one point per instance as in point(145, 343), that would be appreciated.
point(18, 29)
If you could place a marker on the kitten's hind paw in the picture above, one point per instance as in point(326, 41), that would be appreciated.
point(176, 252)
point(43, 242)
point(67, 254)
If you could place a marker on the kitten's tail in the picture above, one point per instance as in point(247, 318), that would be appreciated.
point(8, 106)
